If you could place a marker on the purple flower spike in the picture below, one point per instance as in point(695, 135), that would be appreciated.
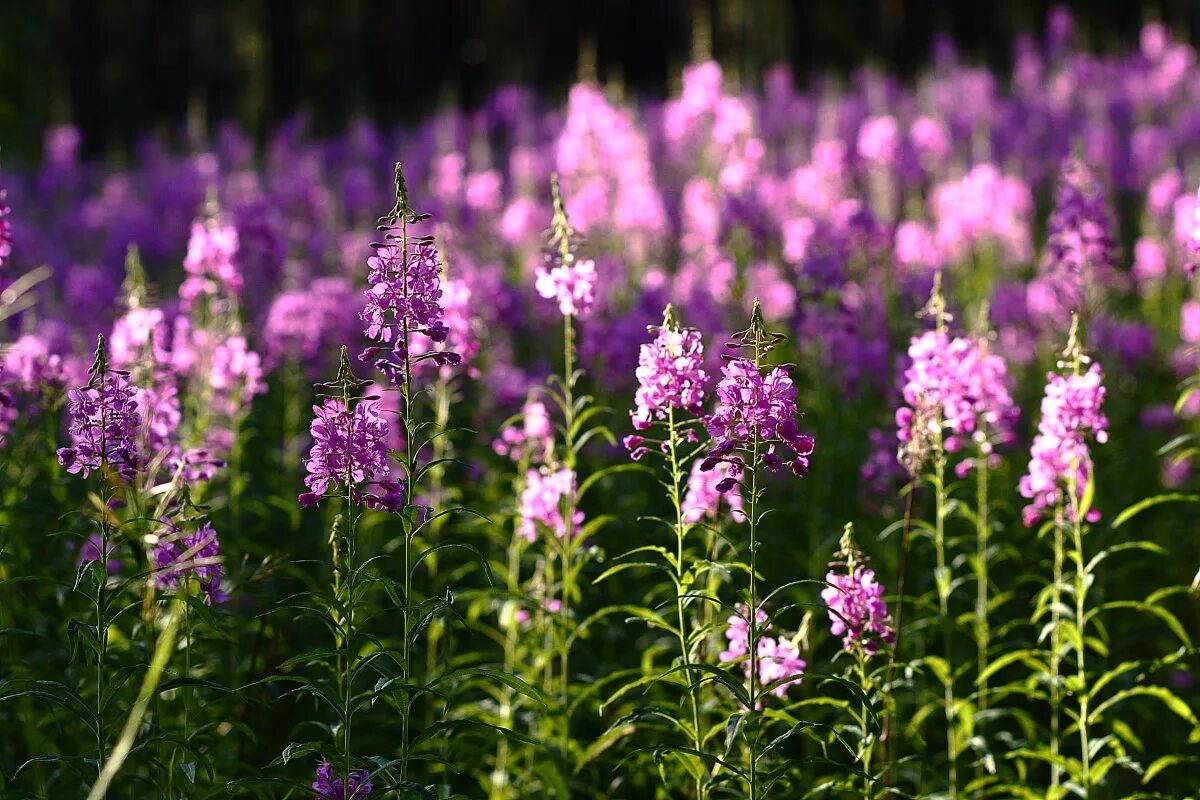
point(104, 423)
point(328, 787)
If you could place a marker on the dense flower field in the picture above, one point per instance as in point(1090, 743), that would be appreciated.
point(763, 442)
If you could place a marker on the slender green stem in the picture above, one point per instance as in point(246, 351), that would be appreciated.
point(680, 599)
point(1080, 591)
point(1056, 652)
point(410, 523)
point(942, 578)
point(501, 783)
point(983, 633)
point(752, 642)
point(569, 501)
point(867, 746)
point(101, 568)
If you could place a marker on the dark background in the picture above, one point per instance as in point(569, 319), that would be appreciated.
point(117, 69)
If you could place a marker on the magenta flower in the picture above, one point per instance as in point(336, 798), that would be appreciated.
point(959, 385)
point(104, 423)
point(1070, 413)
point(329, 787)
point(778, 658)
point(753, 406)
point(670, 375)
point(197, 554)
point(571, 283)
point(6, 237)
point(404, 298)
point(534, 439)
point(542, 500)
point(857, 611)
point(349, 447)
point(211, 262)
point(703, 499)
point(1080, 251)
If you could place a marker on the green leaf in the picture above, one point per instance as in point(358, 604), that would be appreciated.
point(1137, 508)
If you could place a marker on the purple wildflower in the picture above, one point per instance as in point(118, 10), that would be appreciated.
point(104, 422)
point(703, 499)
point(541, 503)
point(197, 554)
point(6, 237)
point(670, 374)
point(957, 385)
point(328, 787)
point(533, 440)
point(571, 283)
point(404, 298)
point(1080, 251)
point(348, 446)
point(752, 406)
point(857, 611)
point(778, 657)
point(1060, 453)
point(211, 262)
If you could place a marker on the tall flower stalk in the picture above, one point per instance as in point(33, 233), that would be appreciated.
point(670, 394)
point(1059, 483)
point(349, 453)
point(570, 281)
point(859, 615)
point(104, 426)
point(403, 302)
point(754, 426)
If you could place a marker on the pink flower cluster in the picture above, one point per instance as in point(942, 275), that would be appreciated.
point(857, 612)
point(104, 426)
point(703, 499)
point(670, 374)
point(1070, 413)
point(542, 503)
point(348, 446)
point(571, 283)
point(752, 406)
point(960, 385)
point(211, 262)
point(405, 295)
point(533, 440)
point(778, 658)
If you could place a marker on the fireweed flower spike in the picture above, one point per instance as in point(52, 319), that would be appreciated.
point(753, 426)
point(356, 786)
point(104, 422)
point(922, 433)
point(349, 447)
point(669, 399)
point(565, 278)
point(178, 556)
point(1060, 464)
point(857, 611)
point(1060, 472)
point(859, 615)
point(778, 656)
point(405, 297)
point(349, 453)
